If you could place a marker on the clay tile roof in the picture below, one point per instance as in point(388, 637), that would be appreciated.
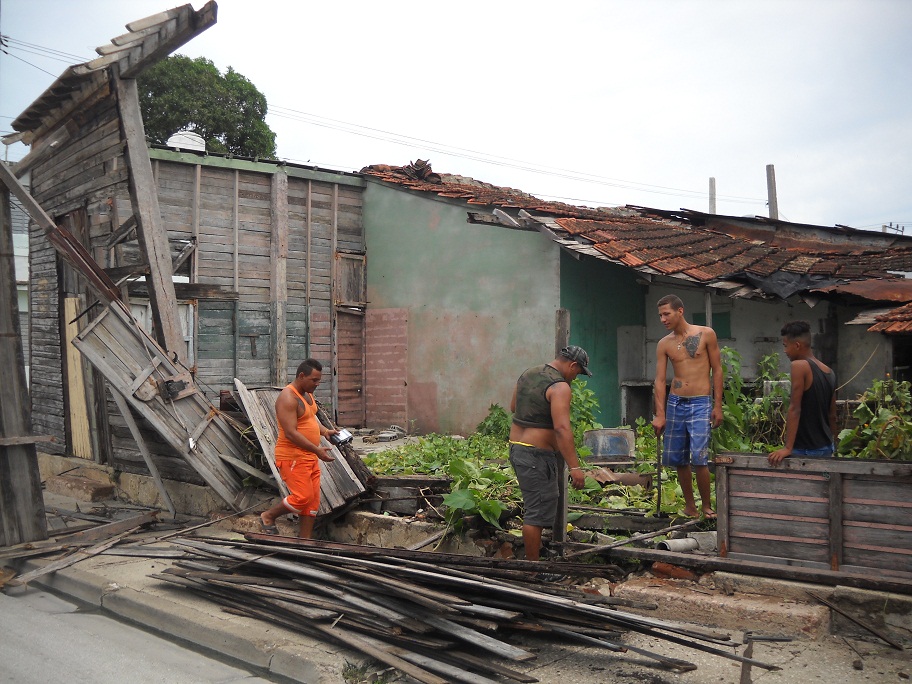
point(418, 176)
point(703, 247)
point(896, 321)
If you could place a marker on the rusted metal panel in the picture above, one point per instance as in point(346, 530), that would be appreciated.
point(835, 514)
point(887, 290)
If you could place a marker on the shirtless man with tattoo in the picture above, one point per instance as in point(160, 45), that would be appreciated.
point(695, 402)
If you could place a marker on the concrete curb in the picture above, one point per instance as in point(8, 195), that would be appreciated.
point(257, 645)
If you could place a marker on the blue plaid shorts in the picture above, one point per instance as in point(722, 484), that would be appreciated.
point(687, 431)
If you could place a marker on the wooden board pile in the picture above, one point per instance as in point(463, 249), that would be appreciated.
point(434, 619)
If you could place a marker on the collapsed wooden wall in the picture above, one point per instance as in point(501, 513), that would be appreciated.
point(79, 175)
point(233, 211)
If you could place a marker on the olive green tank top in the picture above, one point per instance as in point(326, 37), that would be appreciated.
point(532, 406)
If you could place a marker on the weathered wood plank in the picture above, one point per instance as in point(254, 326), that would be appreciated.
point(278, 351)
point(173, 419)
point(837, 512)
point(22, 517)
point(149, 228)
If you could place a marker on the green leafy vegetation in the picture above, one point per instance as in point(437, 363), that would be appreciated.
point(483, 482)
point(584, 406)
point(884, 429)
point(496, 423)
point(751, 421)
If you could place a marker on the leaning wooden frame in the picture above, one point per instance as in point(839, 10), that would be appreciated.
point(165, 395)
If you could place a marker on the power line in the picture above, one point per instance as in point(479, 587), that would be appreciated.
point(10, 54)
point(409, 141)
point(429, 145)
point(50, 52)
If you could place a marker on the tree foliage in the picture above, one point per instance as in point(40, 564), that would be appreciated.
point(228, 111)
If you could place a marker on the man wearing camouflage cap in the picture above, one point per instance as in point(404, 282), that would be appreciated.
point(540, 436)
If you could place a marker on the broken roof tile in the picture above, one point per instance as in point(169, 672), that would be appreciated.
point(701, 246)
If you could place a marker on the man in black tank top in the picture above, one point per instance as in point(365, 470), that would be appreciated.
point(811, 420)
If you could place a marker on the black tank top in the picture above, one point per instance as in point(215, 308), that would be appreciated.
point(814, 425)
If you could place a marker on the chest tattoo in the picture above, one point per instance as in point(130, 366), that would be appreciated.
point(692, 344)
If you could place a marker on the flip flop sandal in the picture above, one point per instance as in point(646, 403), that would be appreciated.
point(268, 529)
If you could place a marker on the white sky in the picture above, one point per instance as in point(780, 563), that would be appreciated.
point(619, 102)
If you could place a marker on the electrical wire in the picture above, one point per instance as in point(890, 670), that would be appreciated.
point(49, 52)
point(10, 54)
point(7, 42)
point(495, 160)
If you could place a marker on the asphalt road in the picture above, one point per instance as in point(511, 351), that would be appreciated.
point(44, 638)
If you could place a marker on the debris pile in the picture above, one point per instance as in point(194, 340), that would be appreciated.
point(435, 617)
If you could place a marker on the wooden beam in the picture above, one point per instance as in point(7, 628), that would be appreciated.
point(185, 253)
point(153, 239)
point(28, 439)
point(215, 161)
point(122, 233)
point(279, 278)
point(178, 26)
point(194, 228)
point(308, 242)
point(235, 321)
point(333, 312)
point(22, 516)
point(124, 409)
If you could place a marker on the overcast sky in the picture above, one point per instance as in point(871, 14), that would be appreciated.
point(599, 103)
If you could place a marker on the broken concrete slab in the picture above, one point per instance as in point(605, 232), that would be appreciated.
point(79, 488)
point(886, 612)
point(687, 601)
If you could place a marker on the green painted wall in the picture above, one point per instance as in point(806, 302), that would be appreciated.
point(601, 297)
point(481, 302)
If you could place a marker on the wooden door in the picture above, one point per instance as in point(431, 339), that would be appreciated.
point(349, 306)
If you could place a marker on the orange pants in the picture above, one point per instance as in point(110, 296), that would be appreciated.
point(302, 475)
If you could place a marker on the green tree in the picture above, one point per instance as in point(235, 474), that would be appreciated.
point(227, 110)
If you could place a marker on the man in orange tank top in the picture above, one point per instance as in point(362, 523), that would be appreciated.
point(298, 449)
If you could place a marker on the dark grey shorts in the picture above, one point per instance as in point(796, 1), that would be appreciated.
point(537, 471)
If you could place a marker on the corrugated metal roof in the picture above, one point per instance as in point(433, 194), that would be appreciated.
point(703, 248)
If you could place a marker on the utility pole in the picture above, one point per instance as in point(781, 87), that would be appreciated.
point(771, 192)
point(712, 195)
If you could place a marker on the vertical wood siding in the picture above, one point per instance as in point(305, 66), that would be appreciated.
point(227, 209)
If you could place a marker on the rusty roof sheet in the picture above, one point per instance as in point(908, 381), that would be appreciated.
point(706, 248)
point(895, 290)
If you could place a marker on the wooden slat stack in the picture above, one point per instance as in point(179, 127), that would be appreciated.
point(432, 619)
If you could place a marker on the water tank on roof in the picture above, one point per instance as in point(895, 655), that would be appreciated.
point(187, 140)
